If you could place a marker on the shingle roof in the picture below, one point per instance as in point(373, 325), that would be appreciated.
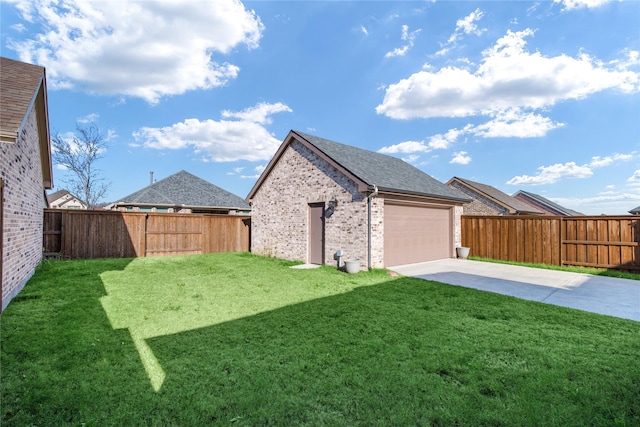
point(386, 172)
point(20, 83)
point(57, 195)
point(546, 202)
point(23, 87)
point(183, 188)
point(635, 211)
point(515, 205)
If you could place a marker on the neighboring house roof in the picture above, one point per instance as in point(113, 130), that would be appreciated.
point(635, 211)
point(367, 168)
point(61, 198)
point(185, 190)
point(547, 205)
point(22, 87)
point(512, 205)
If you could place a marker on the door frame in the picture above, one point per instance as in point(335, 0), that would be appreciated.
point(314, 243)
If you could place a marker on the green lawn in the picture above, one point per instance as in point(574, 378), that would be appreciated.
point(239, 339)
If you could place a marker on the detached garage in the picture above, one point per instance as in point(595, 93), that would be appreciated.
point(317, 196)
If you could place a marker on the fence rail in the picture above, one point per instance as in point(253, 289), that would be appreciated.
point(598, 241)
point(83, 234)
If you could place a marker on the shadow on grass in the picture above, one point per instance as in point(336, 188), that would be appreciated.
point(405, 352)
point(165, 296)
point(393, 352)
point(60, 357)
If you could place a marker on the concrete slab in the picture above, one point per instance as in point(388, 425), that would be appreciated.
point(597, 294)
point(305, 266)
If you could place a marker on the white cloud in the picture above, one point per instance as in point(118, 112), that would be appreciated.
point(407, 36)
point(635, 178)
point(509, 77)
point(578, 4)
point(515, 123)
point(553, 173)
point(461, 158)
point(466, 25)
point(145, 49)
point(364, 30)
point(261, 113)
point(405, 147)
point(258, 171)
point(89, 118)
point(609, 203)
point(411, 158)
point(512, 123)
point(220, 141)
point(598, 162)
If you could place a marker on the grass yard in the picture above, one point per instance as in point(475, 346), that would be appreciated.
point(222, 339)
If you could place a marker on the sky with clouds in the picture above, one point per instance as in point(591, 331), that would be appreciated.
point(536, 96)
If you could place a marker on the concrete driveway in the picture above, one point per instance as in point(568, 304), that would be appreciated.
point(597, 294)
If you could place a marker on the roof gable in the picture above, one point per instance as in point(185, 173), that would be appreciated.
point(23, 87)
point(184, 189)
point(368, 169)
point(536, 198)
point(514, 206)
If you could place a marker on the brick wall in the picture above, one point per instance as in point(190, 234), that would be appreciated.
point(23, 204)
point(480, 205)
point(279, 222)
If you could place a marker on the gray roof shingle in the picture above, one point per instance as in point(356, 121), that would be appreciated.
point(516, 205)
point(546, 202)
point(183, 188)
point(386, 172)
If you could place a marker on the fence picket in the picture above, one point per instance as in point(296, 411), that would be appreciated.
point(75, 234)
point(603, 241)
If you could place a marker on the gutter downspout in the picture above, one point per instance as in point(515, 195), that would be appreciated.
point(374, 193)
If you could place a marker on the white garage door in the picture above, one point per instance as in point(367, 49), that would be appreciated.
point(416, 234)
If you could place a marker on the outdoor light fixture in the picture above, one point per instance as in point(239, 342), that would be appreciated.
point(333, 203)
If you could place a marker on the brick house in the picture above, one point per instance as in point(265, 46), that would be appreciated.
point(25, 172)
point(318, 196)
point(182, 192)
point(545, 205)
point(62, 199)
point(488, 200)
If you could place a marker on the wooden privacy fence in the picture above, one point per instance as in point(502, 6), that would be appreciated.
point(591, 241)
point(83, 234)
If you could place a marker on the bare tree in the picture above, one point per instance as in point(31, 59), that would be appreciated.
point(78, 155)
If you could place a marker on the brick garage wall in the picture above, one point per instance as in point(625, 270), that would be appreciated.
point(480, 205)
point(457, 227)
point(279, 219)
point(23, 204)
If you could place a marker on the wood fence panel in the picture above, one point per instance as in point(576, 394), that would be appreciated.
point(51, 232)
point(84, 234)
point(603, 241)
point(96, 234)
point(613, 250)
point(226, 234)
point(504, 240)
point(174, 234)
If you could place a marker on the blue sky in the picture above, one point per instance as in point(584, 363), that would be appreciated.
point(535, 96)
